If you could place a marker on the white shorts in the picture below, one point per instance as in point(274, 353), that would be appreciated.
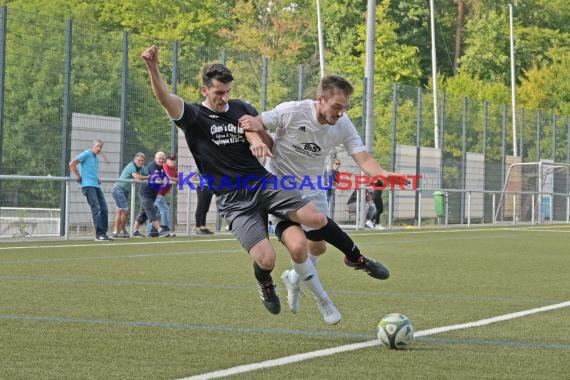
point(319, 199)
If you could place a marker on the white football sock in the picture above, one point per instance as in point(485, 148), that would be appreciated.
point(314, 259)
point(308, 274)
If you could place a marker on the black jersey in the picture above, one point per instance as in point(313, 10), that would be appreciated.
point(218, 144)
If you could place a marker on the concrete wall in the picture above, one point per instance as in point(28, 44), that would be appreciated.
point(85, 129)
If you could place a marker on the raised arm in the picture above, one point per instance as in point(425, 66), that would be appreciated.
point(173, 104)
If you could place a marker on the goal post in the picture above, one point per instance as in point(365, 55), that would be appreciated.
point(535, 192)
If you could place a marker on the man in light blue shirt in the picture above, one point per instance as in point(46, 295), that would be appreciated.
point(88, 178)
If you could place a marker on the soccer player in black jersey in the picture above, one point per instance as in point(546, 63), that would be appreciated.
point(226, 155)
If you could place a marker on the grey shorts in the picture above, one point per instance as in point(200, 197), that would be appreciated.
point(247, 211)
point(148, 206)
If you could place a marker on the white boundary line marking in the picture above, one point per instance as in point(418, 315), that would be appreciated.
point(351, 232)
point(357, 346)
point(161, 241)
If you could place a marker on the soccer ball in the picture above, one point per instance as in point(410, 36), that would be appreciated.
point(395, 331)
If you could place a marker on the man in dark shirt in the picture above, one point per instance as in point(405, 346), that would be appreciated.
point(148, 191)
point(246, 191)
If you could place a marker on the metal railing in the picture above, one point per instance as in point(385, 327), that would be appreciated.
point(497, 211)
point(510, 212)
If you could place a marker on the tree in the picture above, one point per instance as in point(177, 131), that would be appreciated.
point(413, 28)
point(193, 22)
point(548, 88)
point(279, 30)
point(273, 29)
point(487, 48)
point(394, 62)
point(458, 34)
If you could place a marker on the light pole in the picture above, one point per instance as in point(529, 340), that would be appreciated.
point(434, 77)
point(321, 41)
point(513, 82)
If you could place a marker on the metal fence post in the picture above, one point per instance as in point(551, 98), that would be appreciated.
point(485, 128)
point(124, 98)
point(484, 153)
point(568, 144)
point(521, 132)
point(3, 25)
point(264, 76)
point(463, 160)
point(174, 135)
point(301, 88)
point(132, 217)
point(442, 138)
point(418, 155)
point(393, 148)
point(65, 127)
point(554, 120)
point(67, 185)
point(538, 136)
point(503, 150)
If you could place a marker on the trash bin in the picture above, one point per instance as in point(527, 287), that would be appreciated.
point(439, 200)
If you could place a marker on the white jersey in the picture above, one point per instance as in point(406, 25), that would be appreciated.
point(302, 145)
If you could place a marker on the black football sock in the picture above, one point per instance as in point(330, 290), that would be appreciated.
point(262, 275)
point(339, 239)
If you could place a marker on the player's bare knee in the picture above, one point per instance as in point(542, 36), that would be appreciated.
point(293, 238)
point(265, 262)
point(298, 251)
point(321, 220)
point(316, 220)
point(263, 254)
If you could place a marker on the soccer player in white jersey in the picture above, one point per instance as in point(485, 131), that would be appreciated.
point(305, 134)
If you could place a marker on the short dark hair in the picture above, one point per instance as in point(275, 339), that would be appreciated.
point(218, 72)
point(333, 83)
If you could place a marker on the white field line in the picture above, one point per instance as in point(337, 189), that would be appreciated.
point(357, 346)
point(99, 244)
point(231, 238)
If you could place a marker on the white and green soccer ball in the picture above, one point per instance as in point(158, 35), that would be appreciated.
point(395, 331)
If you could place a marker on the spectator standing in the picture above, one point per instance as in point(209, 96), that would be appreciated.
point(121, 191)
point(204, 196)
point(377, 199)
point(332, 176)
point(148, 192)
point(88, 177)
point(160, 202)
